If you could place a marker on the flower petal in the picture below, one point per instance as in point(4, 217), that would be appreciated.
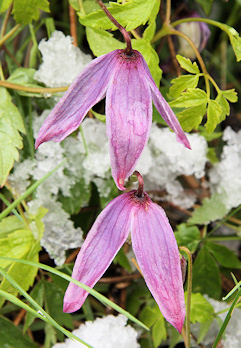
point(128, 117)
point(88, 89)
point(164, 108)
point(156, 251)
point(103, 241)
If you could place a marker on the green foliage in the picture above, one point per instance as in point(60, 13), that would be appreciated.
point(234, 38)
point(188, 236)
point(11, 124)
point(181, 83)
point(4, 5)
point(11, 336)
point(212, 209)
point(224, 256)
point(192, 97)
point(24, 77)
point(192, 117)
point(206, 277)
point(38, 295)
point(17, 240)
point(130, 15)
point(214, 112)
point(25, 11)
point(122, 260)
point(187, 64)
point(206, 5)
point(201, 309)
point(159, 332)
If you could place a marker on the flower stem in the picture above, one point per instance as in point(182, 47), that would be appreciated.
point(168, 12)
point(189, 294)
point(141, 183)
point(123, 31)
point(41, 90)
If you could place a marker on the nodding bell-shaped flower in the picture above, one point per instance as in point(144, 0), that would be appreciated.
point(154, 245)
point(126, 82)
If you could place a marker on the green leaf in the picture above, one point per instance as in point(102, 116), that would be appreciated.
point(150, 314)
point(224, 256)
point(206, 277)
point(204, 328)
point(102, 42)
point(53, 300)
point(212, 209)
point(25, 11)
point(130, 15)
point(214, 112)
point(231, 95)
point(222, 101)
point(11, 336)
point(9, 225)
point(201, 309)
point(192, 97)
point(192, 117)
point(10, 140)
point(149, 32)
point(206, 5)
point(99, 117)
point(80, 194)
point(150, 56)
point(188, 236)
point(38, 295)
point(211, 155)
point(25, 77)
point(209, 137)
point(159, 332)
point(187, 64)
point(4, 5)
point(235, 40)
point(181, 83)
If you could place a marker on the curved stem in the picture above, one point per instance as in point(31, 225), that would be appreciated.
point(141, 183)
point(40, 90)
point(123, 31)
point(189, 295)
point(9, 34)
point(198, 55)
point(196, 19)
point(168, 12)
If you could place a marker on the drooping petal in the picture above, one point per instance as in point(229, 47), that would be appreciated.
point(88, 89)
point(128, 116)
point(103, 241)
point(156, 251)
point(163, 108)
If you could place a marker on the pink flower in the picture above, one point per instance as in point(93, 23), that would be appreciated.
point(154, 245)
point(129, 88)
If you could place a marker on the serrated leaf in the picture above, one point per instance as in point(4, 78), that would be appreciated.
point(4, 5)
point(102, 42)
point(201, 309)
point(214, 112)
point(130, 15)
point(188, 236)
point(181, 83)
point(206, 277)
point(224, 256)
point(222, 101)
point(11, 336)
point(159, 332)
point(192, 97)
point(25, 11)
point(192, 117)
point(231, 95)
point(10, 140)
point(188, 65)
point(206, 5)
point(212, 209)
point(150, 56)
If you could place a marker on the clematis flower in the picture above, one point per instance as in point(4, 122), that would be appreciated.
point(154, 245)
point(126, 82)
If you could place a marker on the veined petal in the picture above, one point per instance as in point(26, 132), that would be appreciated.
point(164, 108)
point(88, 89)
point(128, 116)
point(156, 251)
point(103, 241)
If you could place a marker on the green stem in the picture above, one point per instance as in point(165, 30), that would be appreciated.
point(226, 320)
point(223, 238)
point(189, 294)
point(40, 90)
point(7, 204)
point(168, 12)
point(9, 34)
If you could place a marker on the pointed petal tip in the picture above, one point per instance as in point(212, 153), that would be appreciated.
point(70, 307)
point(120, 184)
point(183, 140)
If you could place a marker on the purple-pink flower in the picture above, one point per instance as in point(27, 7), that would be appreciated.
point(154, 245)
point(129, 88)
